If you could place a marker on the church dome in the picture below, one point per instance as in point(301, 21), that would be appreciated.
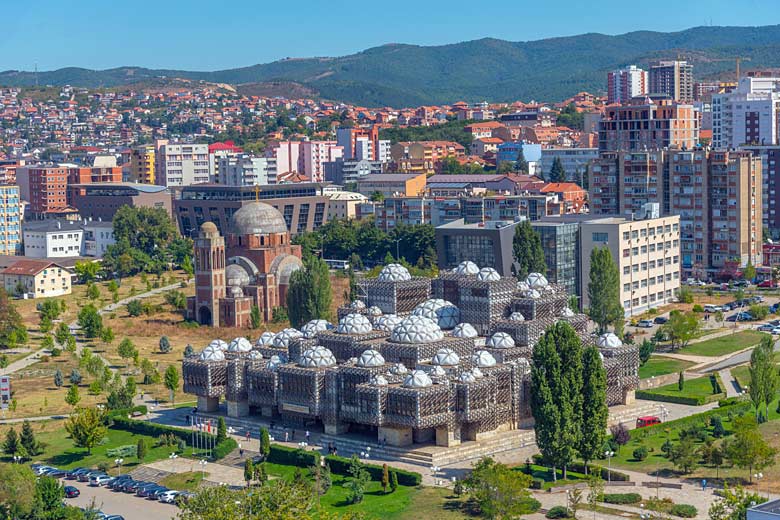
point(209, 230)
point(236, 275)
point(257, 218)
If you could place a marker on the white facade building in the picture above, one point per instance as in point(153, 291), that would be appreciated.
point(623, 84)
point(246, 170)
point(748, 115)
point(98, 235)
point(67, 238)
point(182, 164)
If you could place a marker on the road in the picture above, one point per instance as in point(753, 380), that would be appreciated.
point(129, 506)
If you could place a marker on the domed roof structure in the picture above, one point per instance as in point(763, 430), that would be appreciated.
point(488, 274)
point(398, 369)
point(464, 330)
point(467, 377)
point(374, 311)
point(467, 268)
point(533, 294)
point(483, 359)
point(446, 357)
point(209, 229)
point(212, 353)
point(354, 324)
point(257, 218)
point(378, 380)
point(317, 357)
point(218, 343)
point(536, 281)
point(417, 379)
point(239, 345)
point(567, 312)
point(311, 329)
point(274, 363)
point(445, 314)
point(394, 273)
point(609, 340)
point(283, 338)
point(266, 339)
point(236, 275)
point(415, 330)
point(477, 372)
point(357, 305)
point(436, 371)
point(501, 340)
point(255, 355)
point(370, 358)
point(387, 322)
point(516, 316)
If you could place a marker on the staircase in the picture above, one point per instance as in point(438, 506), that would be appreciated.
point(148, 474)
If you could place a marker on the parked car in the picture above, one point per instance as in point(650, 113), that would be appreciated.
point(99, 480)
point(115, 517)
point(768, 283)
point(74, 473)
point(71, 492)
point(148, 491)
point(775, 331)
point(660, 320)
point(740, 316)
point(117, 481)
point(84, 477)
point(156, 492)
point(645, 324)
point(168, 497)
point(127, 487)
point(712, 308)
point(766, 327)
point(647, 420)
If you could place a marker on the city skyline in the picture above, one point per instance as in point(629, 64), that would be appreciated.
point(203, 39)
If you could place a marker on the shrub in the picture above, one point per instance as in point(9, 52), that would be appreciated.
point(537, 483)
point(684, 510)
point(340, 466)
point(293, 456)
point(103, 466)
point(640, 453)
point(558, 512)
point(155, 430)
point(718, 430)
point(698, 308)
point(127, 451)
point(621, 498)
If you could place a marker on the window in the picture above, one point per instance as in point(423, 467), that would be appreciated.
point(644, 250)
point(625, 235)
point(601, 237)
point(644, 266)
point(652, 248)
point(626, 287)
point(634, 251)
point(634, 235)
point(626, 270)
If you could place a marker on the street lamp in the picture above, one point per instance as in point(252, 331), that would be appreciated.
point(435, 470)
point(202, 463)
point(609, 454)
point(118, 463)
point(173, 456)
point(758, 477)
point(17, 459)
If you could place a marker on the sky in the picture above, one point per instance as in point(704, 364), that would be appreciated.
point(213, 35)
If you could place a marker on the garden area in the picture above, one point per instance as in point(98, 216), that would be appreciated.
point(723, 345)
point(660, 365)
point(697, 391)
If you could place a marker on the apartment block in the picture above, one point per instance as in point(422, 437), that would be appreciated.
point(182, 164)
point(363, 144)
point(423, 156)
point(10, 220)
point(246, 170)
point(142, 164)
point(672, 78)
point(770, 186)
point(574, 161)
point(624, 84)
point(395, 211)
point(79, 176)
point(648, 125)
point(343, 171)
point(314, 155)
point(393, 184)
point(749, 115)
point(45, 188)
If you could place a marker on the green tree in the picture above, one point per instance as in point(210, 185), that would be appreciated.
point(87, 271)
point(75, 377)
point(747, 449)
point(45, 325)
point(763, 375)
point(165, 344)
point(188, 267)
point(73, 397)
point(127, 350)
point(594, 405)
point(521, 165)
point(140, 449)
point(134, 308)
point(733, 503)
point(255, 317)
point(58, 379)
point(377, 196)
point(265, 443)
point(27, 439)
point(498, 491)
point(685, 454)
point(646, 349)
point(90, 321)
point(359, 479)
point(557, 172)
point(749, 273)
point(527, 251)
point(604, 290)
point(17, 489)
point(309, 295)
point(107, 335)
point(221, 430)
point(12, 329)
point(62, 333)
point(172, 380)
point(47, 499)
point(93, 292)
point(11, 444)
point(47, 342)
point(681, 381)
point(86, 427)
point(249, 471)
point(189, 351)
point(393, 481)
point(681, 328)
point(385, 478)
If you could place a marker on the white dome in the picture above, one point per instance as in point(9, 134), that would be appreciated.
point(437, 371)
point(536, 281)
point(311, 329)
point(274, 363)
point(523, 362)
point(357, 305)
point(416, 329)
point(417, 379)
point(374, 311)
point(609, 340)
point(446, 357)
point(467, 377)
point(477, 372)
point(317, 357)
point(211, 353)
point(488, 274)
point(445, 314)
point(387, 322)
point(354, 324)
point(266, 339)
point(255, 355)
point(532, 293)
point(483, 359)
point(370, 358)
point(394, 273)
point(501, 340)
point(398, 369)
point(378, 380)
point(283, 338)
point(239, 345)
point(236, 291)
point(516, 316)
point(522, 286)
point(218, 343)
point(567, 312)
point(466, 268)
point(464, 330)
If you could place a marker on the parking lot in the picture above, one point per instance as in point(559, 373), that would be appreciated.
point(129, 506)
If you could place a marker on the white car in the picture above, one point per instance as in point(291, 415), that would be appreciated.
point(169, 497)
point(775, 331)
point(100, 480)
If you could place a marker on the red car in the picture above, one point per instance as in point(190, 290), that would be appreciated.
point(71, 492)
point(647, 420)
point(768, 283)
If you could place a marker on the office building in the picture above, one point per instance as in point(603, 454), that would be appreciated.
point(347, 171)
point(749, 115)
point(770, 186)
point(487, 244)
point(391, 212)
point(673, 79)
point(101, 201)
point(142, 164)
point(304, 207)
point(393, 184)
point(53, 238)
point(181, 164)
point(79, 176)
point(624, 84)
point(246, 170)
point(574, 161)
point(10, 220)
point(560, 242)
point(648, 125)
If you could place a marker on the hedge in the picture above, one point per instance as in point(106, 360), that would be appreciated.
point(621, 498)
point(125, 412)
point(684, 510)
point(293, 456)
point(155, 430)
point(734, 407)
point(340, 466)
point(678, 399)
point(579, 467)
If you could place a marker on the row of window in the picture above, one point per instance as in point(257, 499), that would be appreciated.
point(650, 231)
point(655, 297)
point(651, 248)
point(652, 264)
point(653, 280)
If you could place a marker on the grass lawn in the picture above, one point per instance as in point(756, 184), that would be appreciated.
point(659, 366)
point(742, 375)
point(545, 473)
point(724, 344)
point(698, 387)
point(188, 481)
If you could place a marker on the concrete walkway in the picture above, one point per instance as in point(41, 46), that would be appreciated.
point(732, 387)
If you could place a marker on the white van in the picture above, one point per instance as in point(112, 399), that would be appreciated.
point(712, 308)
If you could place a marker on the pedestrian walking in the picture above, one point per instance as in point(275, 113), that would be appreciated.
point(307, 436)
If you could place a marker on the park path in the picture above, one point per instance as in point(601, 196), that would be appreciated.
point(732, 387)
point(34, 357)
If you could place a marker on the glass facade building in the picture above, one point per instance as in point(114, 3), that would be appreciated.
point(560, 241)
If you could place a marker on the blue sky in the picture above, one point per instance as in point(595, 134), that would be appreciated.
point(201, 35)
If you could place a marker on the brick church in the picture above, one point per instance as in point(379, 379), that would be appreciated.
point(250, 266)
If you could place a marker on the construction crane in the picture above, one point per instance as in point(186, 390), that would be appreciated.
point(738, 60)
